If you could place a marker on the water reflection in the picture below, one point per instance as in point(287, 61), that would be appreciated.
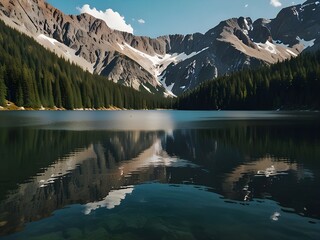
point(86, 120)
point(43, 170)
point(94, 164)
point(248, 161)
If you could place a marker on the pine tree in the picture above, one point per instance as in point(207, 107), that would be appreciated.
point(19, 97)
point(3, 88)
point(57, 93)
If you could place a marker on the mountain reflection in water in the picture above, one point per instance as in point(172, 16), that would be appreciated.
point(45, 169)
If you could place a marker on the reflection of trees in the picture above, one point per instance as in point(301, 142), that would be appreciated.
point(103, 166)
point(96, 160)
point(211, 147)
point(234, 153)
point(26, 151)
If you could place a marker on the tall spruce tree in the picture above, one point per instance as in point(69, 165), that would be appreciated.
point(3, 88)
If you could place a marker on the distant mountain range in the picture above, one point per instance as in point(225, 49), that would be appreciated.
point(172, 64)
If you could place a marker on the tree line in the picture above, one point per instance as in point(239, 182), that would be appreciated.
point(291, 84)
point(32, 76)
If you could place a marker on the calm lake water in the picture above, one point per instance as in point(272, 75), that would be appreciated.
point(159, 175)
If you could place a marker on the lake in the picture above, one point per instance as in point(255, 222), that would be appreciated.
point(159, 175)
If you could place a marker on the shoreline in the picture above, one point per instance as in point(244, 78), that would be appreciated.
point(12, 107)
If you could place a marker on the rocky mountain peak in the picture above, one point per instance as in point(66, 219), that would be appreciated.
point(261, 31)
point(245, 23)
point(298, 24)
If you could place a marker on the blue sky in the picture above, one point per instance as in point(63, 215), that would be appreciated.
point(160, 17)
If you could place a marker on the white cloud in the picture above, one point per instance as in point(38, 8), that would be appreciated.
point(276, 3)
point(247, 5)
point(141, 21)
point(113, 19)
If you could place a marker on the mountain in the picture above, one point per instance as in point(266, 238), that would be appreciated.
point(33, 77)
point(167, 64)
point(291, 84)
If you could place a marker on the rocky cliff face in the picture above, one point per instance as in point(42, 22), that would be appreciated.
point(298, 25)
point(166, 64)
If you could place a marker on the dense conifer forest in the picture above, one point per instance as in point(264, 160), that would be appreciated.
point(31, 76)
point(291, 84)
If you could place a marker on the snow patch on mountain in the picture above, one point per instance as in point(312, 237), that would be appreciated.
point(146, 88)
point(292, 53)
point(170, 87)
point(191, 69)
point(158, 63)
point(305, 43)
point(161, 62)
point(296, 13)
point(270, 47)
point(162, 81)
point(280, 43)
point(51, 40)
point(64, 51)
point(247, 27)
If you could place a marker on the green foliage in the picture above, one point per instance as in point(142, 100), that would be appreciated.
point(32, 76)
point(292, 84)
point(3, 88)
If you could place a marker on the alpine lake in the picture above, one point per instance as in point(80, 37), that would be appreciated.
point(159, 175)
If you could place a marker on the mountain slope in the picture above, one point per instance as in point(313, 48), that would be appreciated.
point(292, 84)
point(32, 76)
point(175, 62)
